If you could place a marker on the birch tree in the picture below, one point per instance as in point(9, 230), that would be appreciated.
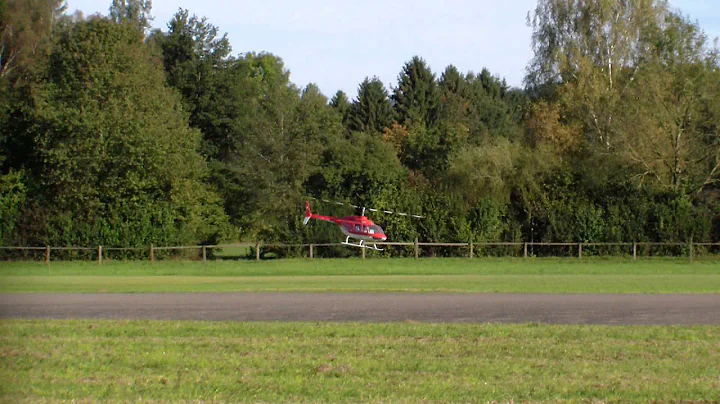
point(672, 116)
point(593, 51)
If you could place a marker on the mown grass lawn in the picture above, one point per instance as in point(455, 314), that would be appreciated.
point(352, 284)
point(372, 275)
point(302, 362)
point(376, 266)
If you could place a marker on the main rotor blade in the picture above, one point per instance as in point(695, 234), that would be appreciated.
point(389, 212)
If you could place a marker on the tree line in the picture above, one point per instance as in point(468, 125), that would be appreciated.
point(115, 134)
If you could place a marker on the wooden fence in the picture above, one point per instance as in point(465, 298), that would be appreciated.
point(469, 250)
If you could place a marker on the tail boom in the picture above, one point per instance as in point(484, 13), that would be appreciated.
point(309, 215)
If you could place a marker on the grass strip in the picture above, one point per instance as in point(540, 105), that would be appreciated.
point(47, 360)
point(378, 266)
point(388, 283)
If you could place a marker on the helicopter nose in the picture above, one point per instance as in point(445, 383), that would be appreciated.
point(380, 237)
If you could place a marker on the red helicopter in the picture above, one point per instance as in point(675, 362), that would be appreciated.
point(356, 227)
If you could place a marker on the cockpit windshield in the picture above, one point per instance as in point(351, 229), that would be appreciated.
point(375, 229)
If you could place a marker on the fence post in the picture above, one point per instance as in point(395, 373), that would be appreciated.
point(99, 255)
point(257, 251)
point(579, 251)
point(634, 251)
point(471, 250)
point(47, 255)
point(152, 254)
point(363, 253)
point(311, 251)
point(525, 246)
point(691, 250)
point(204, 253)
point(417, 249)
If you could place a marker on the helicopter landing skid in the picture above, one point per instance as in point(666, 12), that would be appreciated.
point(361, 244)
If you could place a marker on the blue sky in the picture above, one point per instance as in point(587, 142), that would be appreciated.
point(335, 44)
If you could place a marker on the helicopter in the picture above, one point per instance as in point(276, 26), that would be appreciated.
point(356, 227)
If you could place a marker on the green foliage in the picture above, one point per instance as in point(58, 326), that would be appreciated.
point(13, 195)
point(567, 212)
point(476, 172)
point(427, 150)
point(261, 176)
point(416, 96)
point(487, 220)
point(615, 137)
point(670, 137)
point(133, 12)
point(358, 168)
point(109, 156)
point(371, 111)
point(25, 28)
point(630, 84)
point(341, 104)
point(493, 110)
point(196, 63)
point(673, 217)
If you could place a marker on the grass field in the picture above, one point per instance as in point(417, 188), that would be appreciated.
point(372, 275)
point(388, 283)
point(379, 266)
point(198, 361)
point(170, 361)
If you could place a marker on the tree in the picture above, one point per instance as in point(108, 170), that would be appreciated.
point(479, 172)
point(259, 174)
point(639, 82)
point(491, 112)
point(358, 169)
point(197, 62)
point(13, 194)
point(426, 150)
point(453, 103)
point(397, 135)
point(317, 126)
point(594, 50)
point(341, 104)
point(416, 95)
point(670, 135)
point(371, 111)
point(25, 27)
point(113, 161)
point(135, 12)
point(544, 126)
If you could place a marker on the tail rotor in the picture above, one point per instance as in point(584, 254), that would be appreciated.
point(308, 214)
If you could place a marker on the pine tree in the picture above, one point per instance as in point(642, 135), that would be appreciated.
point(371, 112)
point(341, 104)
point(416, 97)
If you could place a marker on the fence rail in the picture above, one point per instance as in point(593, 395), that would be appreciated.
point(690, 250)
